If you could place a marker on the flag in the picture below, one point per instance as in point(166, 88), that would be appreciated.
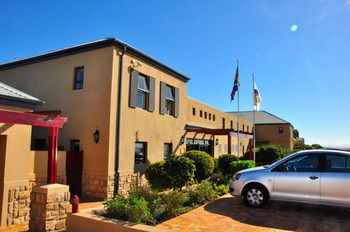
point(235, 86)
point(257, 98)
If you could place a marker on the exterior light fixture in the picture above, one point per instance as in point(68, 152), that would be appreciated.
point(182, 139)
point(217, 142)
point(96, 135)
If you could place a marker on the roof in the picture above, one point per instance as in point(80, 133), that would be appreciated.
point(261, 117)
point(12, 96)
point(91, 46)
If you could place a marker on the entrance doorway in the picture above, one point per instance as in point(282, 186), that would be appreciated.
point(74, 171)
point(200, 145)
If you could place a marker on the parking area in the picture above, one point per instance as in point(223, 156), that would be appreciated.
point(230, 214)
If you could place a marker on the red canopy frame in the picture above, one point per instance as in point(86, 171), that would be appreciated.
point(48, 119)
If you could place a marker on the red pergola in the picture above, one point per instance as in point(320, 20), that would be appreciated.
point(48, 119)
point(228, 132)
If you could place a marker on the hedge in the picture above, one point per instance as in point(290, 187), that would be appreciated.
point(204, 164)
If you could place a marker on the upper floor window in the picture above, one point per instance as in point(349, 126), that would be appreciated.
point(78, 78)
point(242, 127)
point(223, 123)
point(247, 128)
point(231, 124)
point(201, 113)
point(213, 117)
point(280, 130)
point(194, 111)
point(205, 115)
point(169, 100)
point(142, 92)
point(209, 116)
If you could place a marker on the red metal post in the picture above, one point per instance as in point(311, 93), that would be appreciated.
point(251, 150)
point(52, 156)
point(229, 143)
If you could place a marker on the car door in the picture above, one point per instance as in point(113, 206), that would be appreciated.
point(298, 179)
point(335, 180)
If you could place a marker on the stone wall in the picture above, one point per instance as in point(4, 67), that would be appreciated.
point(49, 208)
point(127, 180)
point(39, 181)
point(97, 186)
point(18, 204)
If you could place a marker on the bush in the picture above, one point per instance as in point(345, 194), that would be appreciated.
point(221, 189)
point(203, 193)
point(224, 164)
point(133, 209)
point(143, 191)
point(180, 170)
point(204, 164)
point(169, 205)
point(157, 176)
point(268, 154)
point(239, 165)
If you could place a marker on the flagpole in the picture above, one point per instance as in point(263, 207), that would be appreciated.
point(238, 116)
point(253, 119)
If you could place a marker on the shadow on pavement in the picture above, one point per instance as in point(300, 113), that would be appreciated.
point(284, 215)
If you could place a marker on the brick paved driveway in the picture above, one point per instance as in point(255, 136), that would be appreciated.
point(230, 214)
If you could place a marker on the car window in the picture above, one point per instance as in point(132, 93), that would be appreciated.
point(302, 163)
point(337, 163)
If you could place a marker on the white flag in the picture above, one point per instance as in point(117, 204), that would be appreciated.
point(257, 98)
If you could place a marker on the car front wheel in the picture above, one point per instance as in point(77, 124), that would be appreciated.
point(255, 196)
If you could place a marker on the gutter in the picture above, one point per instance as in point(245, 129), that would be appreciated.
point(119, 102)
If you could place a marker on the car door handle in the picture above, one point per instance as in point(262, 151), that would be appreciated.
point(313, 177)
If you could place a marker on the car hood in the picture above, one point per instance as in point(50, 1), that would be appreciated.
point(252, 169)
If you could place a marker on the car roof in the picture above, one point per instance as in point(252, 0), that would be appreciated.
point(320, 151)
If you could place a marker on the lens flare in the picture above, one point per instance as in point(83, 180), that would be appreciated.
point(294, 28)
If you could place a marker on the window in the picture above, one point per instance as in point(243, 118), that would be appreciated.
point(280, 130)
point(142, 92)
point(169, 100)
point(78, 78)
point(302, 163)
point(231, 124)
point(242, 127)
point(168, 149)
point(213, 117)
point(223, 123)
point(200, 113)
point(140, 152)
point(209, 116)
point(337, 163)
point(205, 115)
point(75, 145)
point(248, 129)
point(194, 111)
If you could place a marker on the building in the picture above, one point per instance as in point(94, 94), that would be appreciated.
point(271, 129)
point(125, 110)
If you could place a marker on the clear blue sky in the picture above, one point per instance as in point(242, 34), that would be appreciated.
point(303, 76)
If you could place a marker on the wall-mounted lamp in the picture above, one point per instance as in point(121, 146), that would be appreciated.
point(182, 139)
point(135, 63)
point(217, 142)
point(96, 135)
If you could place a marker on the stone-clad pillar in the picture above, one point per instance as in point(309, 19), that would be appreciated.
point(48, 211)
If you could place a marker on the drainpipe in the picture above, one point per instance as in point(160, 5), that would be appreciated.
point(119, 102)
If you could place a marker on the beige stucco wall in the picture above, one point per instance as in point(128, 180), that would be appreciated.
point(144, 126)
point(87, 109)
point(222, 147)
point(269, 133)
point(14, 158)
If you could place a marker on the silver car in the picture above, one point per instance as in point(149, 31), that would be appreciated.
point(313, 176)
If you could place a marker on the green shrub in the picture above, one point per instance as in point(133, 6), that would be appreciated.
point(204, 164)
point(224, 164)
point(239, 165)
point(144, 192)
point(133, 209)
point(157, 176)
point(169, 205)
point(268, 154)
point(180, 170)
point(221, 189)
point(216, 165)
point(203, 193)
